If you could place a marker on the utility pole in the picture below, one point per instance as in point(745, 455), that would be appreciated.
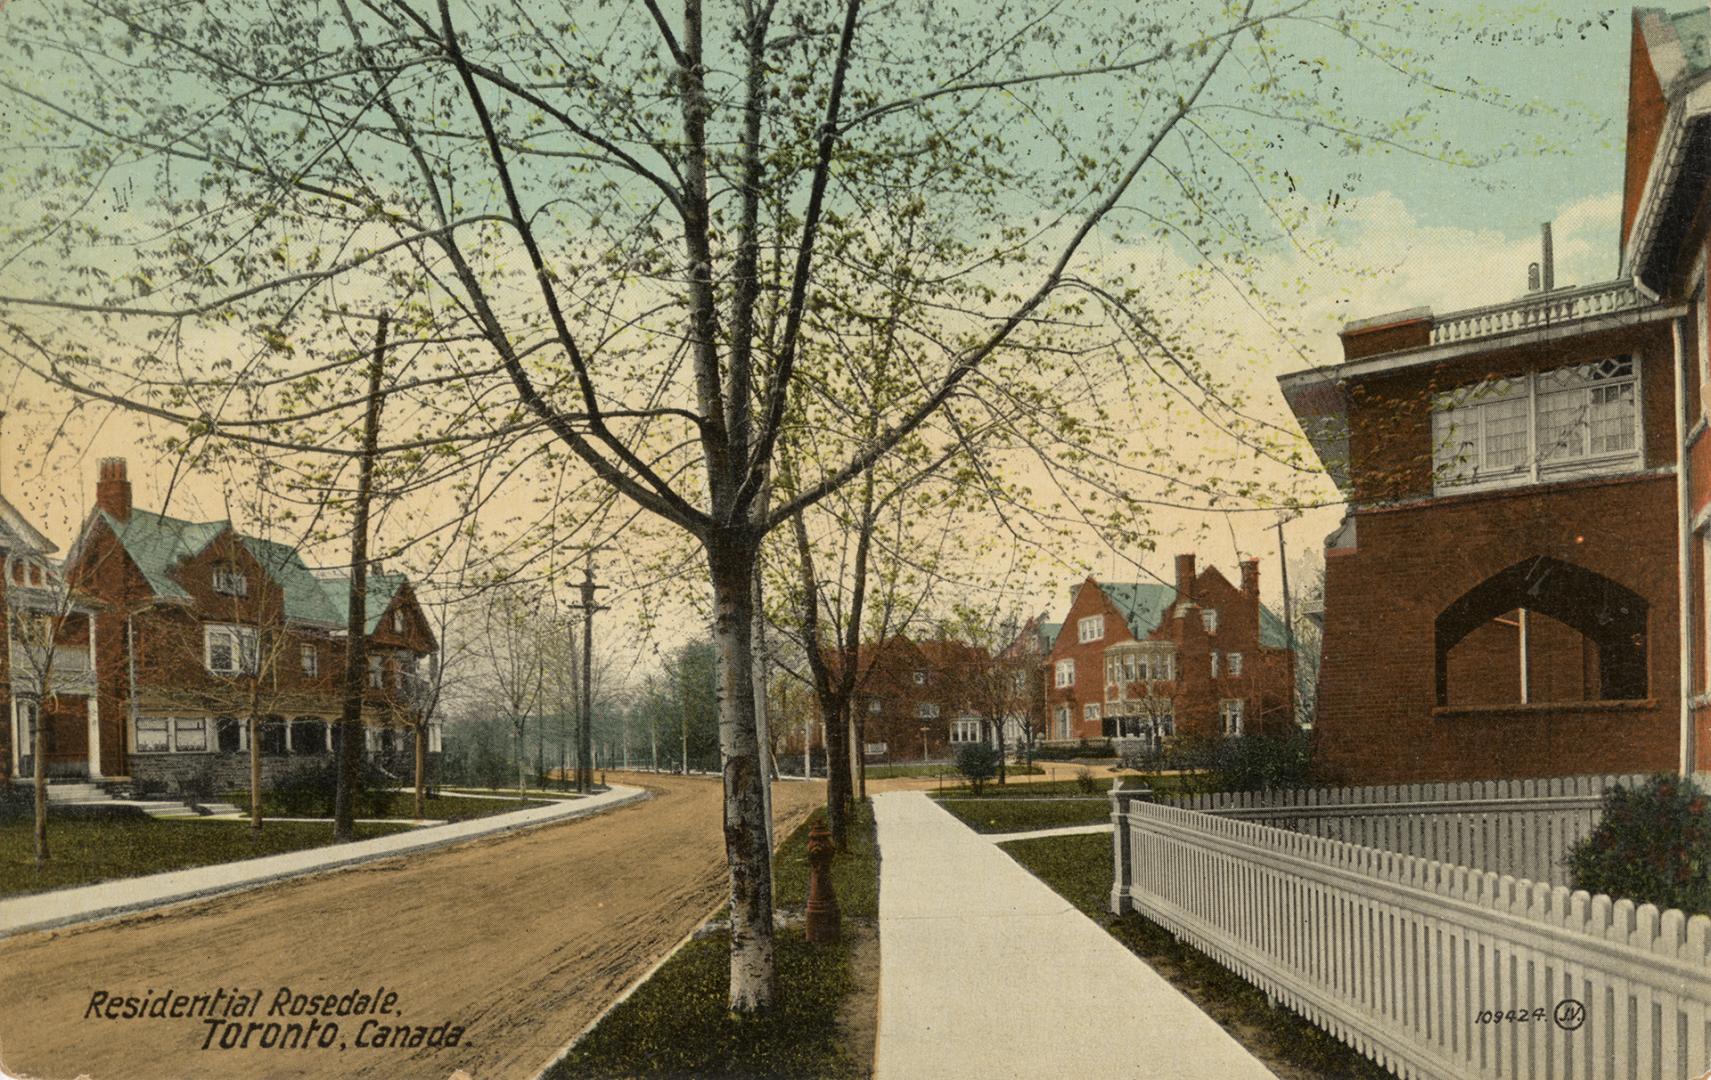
point(585, 725)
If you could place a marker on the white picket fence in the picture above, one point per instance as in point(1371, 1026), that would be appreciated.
point(1433, 970)
point(1519, 827)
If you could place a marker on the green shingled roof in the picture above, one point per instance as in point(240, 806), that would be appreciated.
point(157, 544)
point(381, 589)
point(1049, 633)
point(1272, 633)
point(1142, 605)
point(305, 600)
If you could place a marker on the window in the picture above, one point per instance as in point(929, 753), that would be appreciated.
point(1209, 619)
point(875, 706)
point(1214, 663)
point(377, 672)
point(154, 735)
point(1130, 668)
point(397, 622)
point(311, 661)
point(920, 678)
point(1569, 421)
point(1065, 671)
point(1063, 721)
point(1090, 712)
point(190, 734)
point(229, 650)
point(1230, 716)
point(1166, 668)
point(230, 581)
point(926, 710)
point(1235, 663)
point(965, 731)
point(1091, 628)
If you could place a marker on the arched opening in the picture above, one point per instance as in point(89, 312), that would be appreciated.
point(272, 735)
point(1542, 630)
point(308, 735)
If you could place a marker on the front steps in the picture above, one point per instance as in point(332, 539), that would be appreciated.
point(93, 793)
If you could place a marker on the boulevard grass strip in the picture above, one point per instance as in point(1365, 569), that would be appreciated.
point(1078, 868)
point(511, 793)
point(402, 804)
point(677, 1023)
point(896, 772)
point(87, 850)
point(1025, 807)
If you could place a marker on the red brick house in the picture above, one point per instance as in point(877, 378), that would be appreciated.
point(197, 627)
point(920, 701)
point(1501, 599)
point(1203, 657)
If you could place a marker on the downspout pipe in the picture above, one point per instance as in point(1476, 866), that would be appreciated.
point(1688, 749)
point(1684, 551)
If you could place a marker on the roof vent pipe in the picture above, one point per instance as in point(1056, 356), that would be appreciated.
point(1547, 261)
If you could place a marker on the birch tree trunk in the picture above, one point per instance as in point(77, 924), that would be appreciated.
point(748, 852)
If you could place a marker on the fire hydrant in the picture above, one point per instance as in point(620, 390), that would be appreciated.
point(822, 901)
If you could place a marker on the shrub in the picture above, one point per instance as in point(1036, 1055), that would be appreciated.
point(978, 762)
point(308, 790)
point(1652, 846)
point(1085, 782)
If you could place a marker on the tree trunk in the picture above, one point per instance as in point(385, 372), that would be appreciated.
point(255, 771)
point(747, 847)
point(41, 785)
point(350, 748)
point(421, 771)
point(998, 732)
point(860, 752)
point(837, 773)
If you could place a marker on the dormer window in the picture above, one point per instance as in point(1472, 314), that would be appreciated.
point(230, 582)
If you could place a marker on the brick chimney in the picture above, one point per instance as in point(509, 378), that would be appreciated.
point(113, 489)
point(1185, 579)
point(1250, 578)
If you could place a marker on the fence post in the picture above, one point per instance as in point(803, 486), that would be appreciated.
point(1123, 868)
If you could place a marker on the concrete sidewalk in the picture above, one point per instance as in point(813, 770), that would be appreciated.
point(41, 911)
point(986, 972)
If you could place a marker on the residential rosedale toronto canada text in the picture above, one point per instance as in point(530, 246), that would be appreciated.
point(235, 1018)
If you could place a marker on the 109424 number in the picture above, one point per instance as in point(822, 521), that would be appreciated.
point(1510, 1016)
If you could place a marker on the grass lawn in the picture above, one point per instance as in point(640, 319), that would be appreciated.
point(530, 793)
point(893, 772)
point(83, 851)
point(1079, 869)
point(677, 1025)
point(402, 804)
point(1024, 815)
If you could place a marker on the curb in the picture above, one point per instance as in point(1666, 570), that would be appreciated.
point(104, 900)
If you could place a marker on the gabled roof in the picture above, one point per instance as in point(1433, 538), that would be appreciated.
point(1142, 604)
point(157, 543)
point(305, 599)
point(336, 590)
point(17, 534)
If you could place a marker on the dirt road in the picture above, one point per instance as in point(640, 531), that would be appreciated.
point(519, 940)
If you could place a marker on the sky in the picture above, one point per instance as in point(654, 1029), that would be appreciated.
point(1408, 233)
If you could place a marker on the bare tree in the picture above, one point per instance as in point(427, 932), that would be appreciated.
point(583, 216)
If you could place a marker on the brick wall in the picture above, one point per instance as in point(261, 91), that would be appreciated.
point(1377, 721)
point(1088, 687)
